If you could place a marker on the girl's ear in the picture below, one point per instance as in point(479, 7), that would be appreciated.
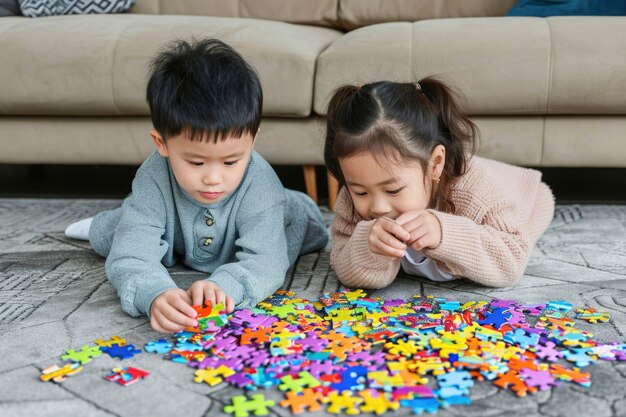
point(437, 162)
point(160, 143)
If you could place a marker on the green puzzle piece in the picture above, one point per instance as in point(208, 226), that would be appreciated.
point(242, 405)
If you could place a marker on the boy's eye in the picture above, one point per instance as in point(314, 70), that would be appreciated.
point(231, 163)
point(394, 192)
point(196, 164)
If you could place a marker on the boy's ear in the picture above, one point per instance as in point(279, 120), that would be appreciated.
point(159, 142)
point(255, 136)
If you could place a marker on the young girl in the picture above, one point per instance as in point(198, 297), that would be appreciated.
point(412, 196)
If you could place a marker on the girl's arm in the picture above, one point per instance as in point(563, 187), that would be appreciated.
point(494, 252)
point(351, 258)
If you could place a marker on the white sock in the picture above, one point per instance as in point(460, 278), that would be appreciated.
point(79, 229)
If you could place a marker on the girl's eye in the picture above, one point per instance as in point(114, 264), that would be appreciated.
point(195, 164)
point(231, 163)
point(394, 192)
point(360, 194)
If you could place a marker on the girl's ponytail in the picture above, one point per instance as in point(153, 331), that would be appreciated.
point(340, 98)
point(454, 122)
point(458, 132)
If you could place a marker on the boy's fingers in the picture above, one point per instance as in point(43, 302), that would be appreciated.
point(220, 297)
point(179, 319)
point(209, 295)
point(230, 305)
point(196, 295)
point(181, 305)
point(166, 325)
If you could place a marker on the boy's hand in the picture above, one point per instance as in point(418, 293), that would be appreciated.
point(203, 291)
point(171, 311)
point(387, 237)
point(423, 227)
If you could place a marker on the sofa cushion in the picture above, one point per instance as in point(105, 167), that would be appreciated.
point(544, 8)
point(312, 12)
point(98, 64)
point(505, 65)
point(358, 13)
point(39, 8)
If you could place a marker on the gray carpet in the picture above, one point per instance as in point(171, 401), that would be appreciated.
point(54, 296)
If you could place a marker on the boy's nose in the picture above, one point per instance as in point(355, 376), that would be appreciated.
point(211, 178)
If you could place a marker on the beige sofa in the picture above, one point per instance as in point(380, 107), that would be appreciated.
point(544, 92)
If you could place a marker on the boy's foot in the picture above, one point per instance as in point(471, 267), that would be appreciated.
point(79, 229)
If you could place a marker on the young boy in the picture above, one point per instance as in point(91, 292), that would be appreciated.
point(204, 197)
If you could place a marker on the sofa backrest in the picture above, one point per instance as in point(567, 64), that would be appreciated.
point(311, 12)
point(358, 13)
point(338, 14)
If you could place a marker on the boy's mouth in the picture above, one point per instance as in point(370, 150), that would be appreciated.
point(211, 195)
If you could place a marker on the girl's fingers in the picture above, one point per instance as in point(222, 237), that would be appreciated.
point(396, 230)
point(393, 242)
point(389, 250)
point(407, 217)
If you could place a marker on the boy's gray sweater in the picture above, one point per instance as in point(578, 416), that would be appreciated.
point(241, 241)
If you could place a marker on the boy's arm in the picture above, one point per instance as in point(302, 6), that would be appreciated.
point(351, 258)
point(262, 260)
point(134, 264)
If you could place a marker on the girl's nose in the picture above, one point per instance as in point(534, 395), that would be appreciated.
point(380, 207)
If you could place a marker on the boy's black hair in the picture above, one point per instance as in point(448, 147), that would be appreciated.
point(203, 88)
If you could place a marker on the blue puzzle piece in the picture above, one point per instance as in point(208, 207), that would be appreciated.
point(122, 352)
point(160, 346)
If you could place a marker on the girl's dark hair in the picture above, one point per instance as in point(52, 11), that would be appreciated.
point(203, 88)
point(394, 121)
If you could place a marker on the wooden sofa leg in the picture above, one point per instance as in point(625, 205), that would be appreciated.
point(333, 190)
point(310, 181)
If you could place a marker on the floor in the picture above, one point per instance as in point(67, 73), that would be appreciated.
point(54, 296)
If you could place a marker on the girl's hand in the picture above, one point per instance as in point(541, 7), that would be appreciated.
point(204, 291)
point(423, 227)
point(387, 238)
point(171, 311)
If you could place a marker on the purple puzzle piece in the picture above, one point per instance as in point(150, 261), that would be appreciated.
point(312, 342)
point(547, 352)
point(542, 380)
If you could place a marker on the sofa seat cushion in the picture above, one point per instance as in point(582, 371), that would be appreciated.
point(98, 64)
point(503, 65)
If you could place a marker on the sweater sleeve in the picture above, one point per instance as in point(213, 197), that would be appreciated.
point(262, 260)
point(493, 252)
point(134, 265)
point(351, 258)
